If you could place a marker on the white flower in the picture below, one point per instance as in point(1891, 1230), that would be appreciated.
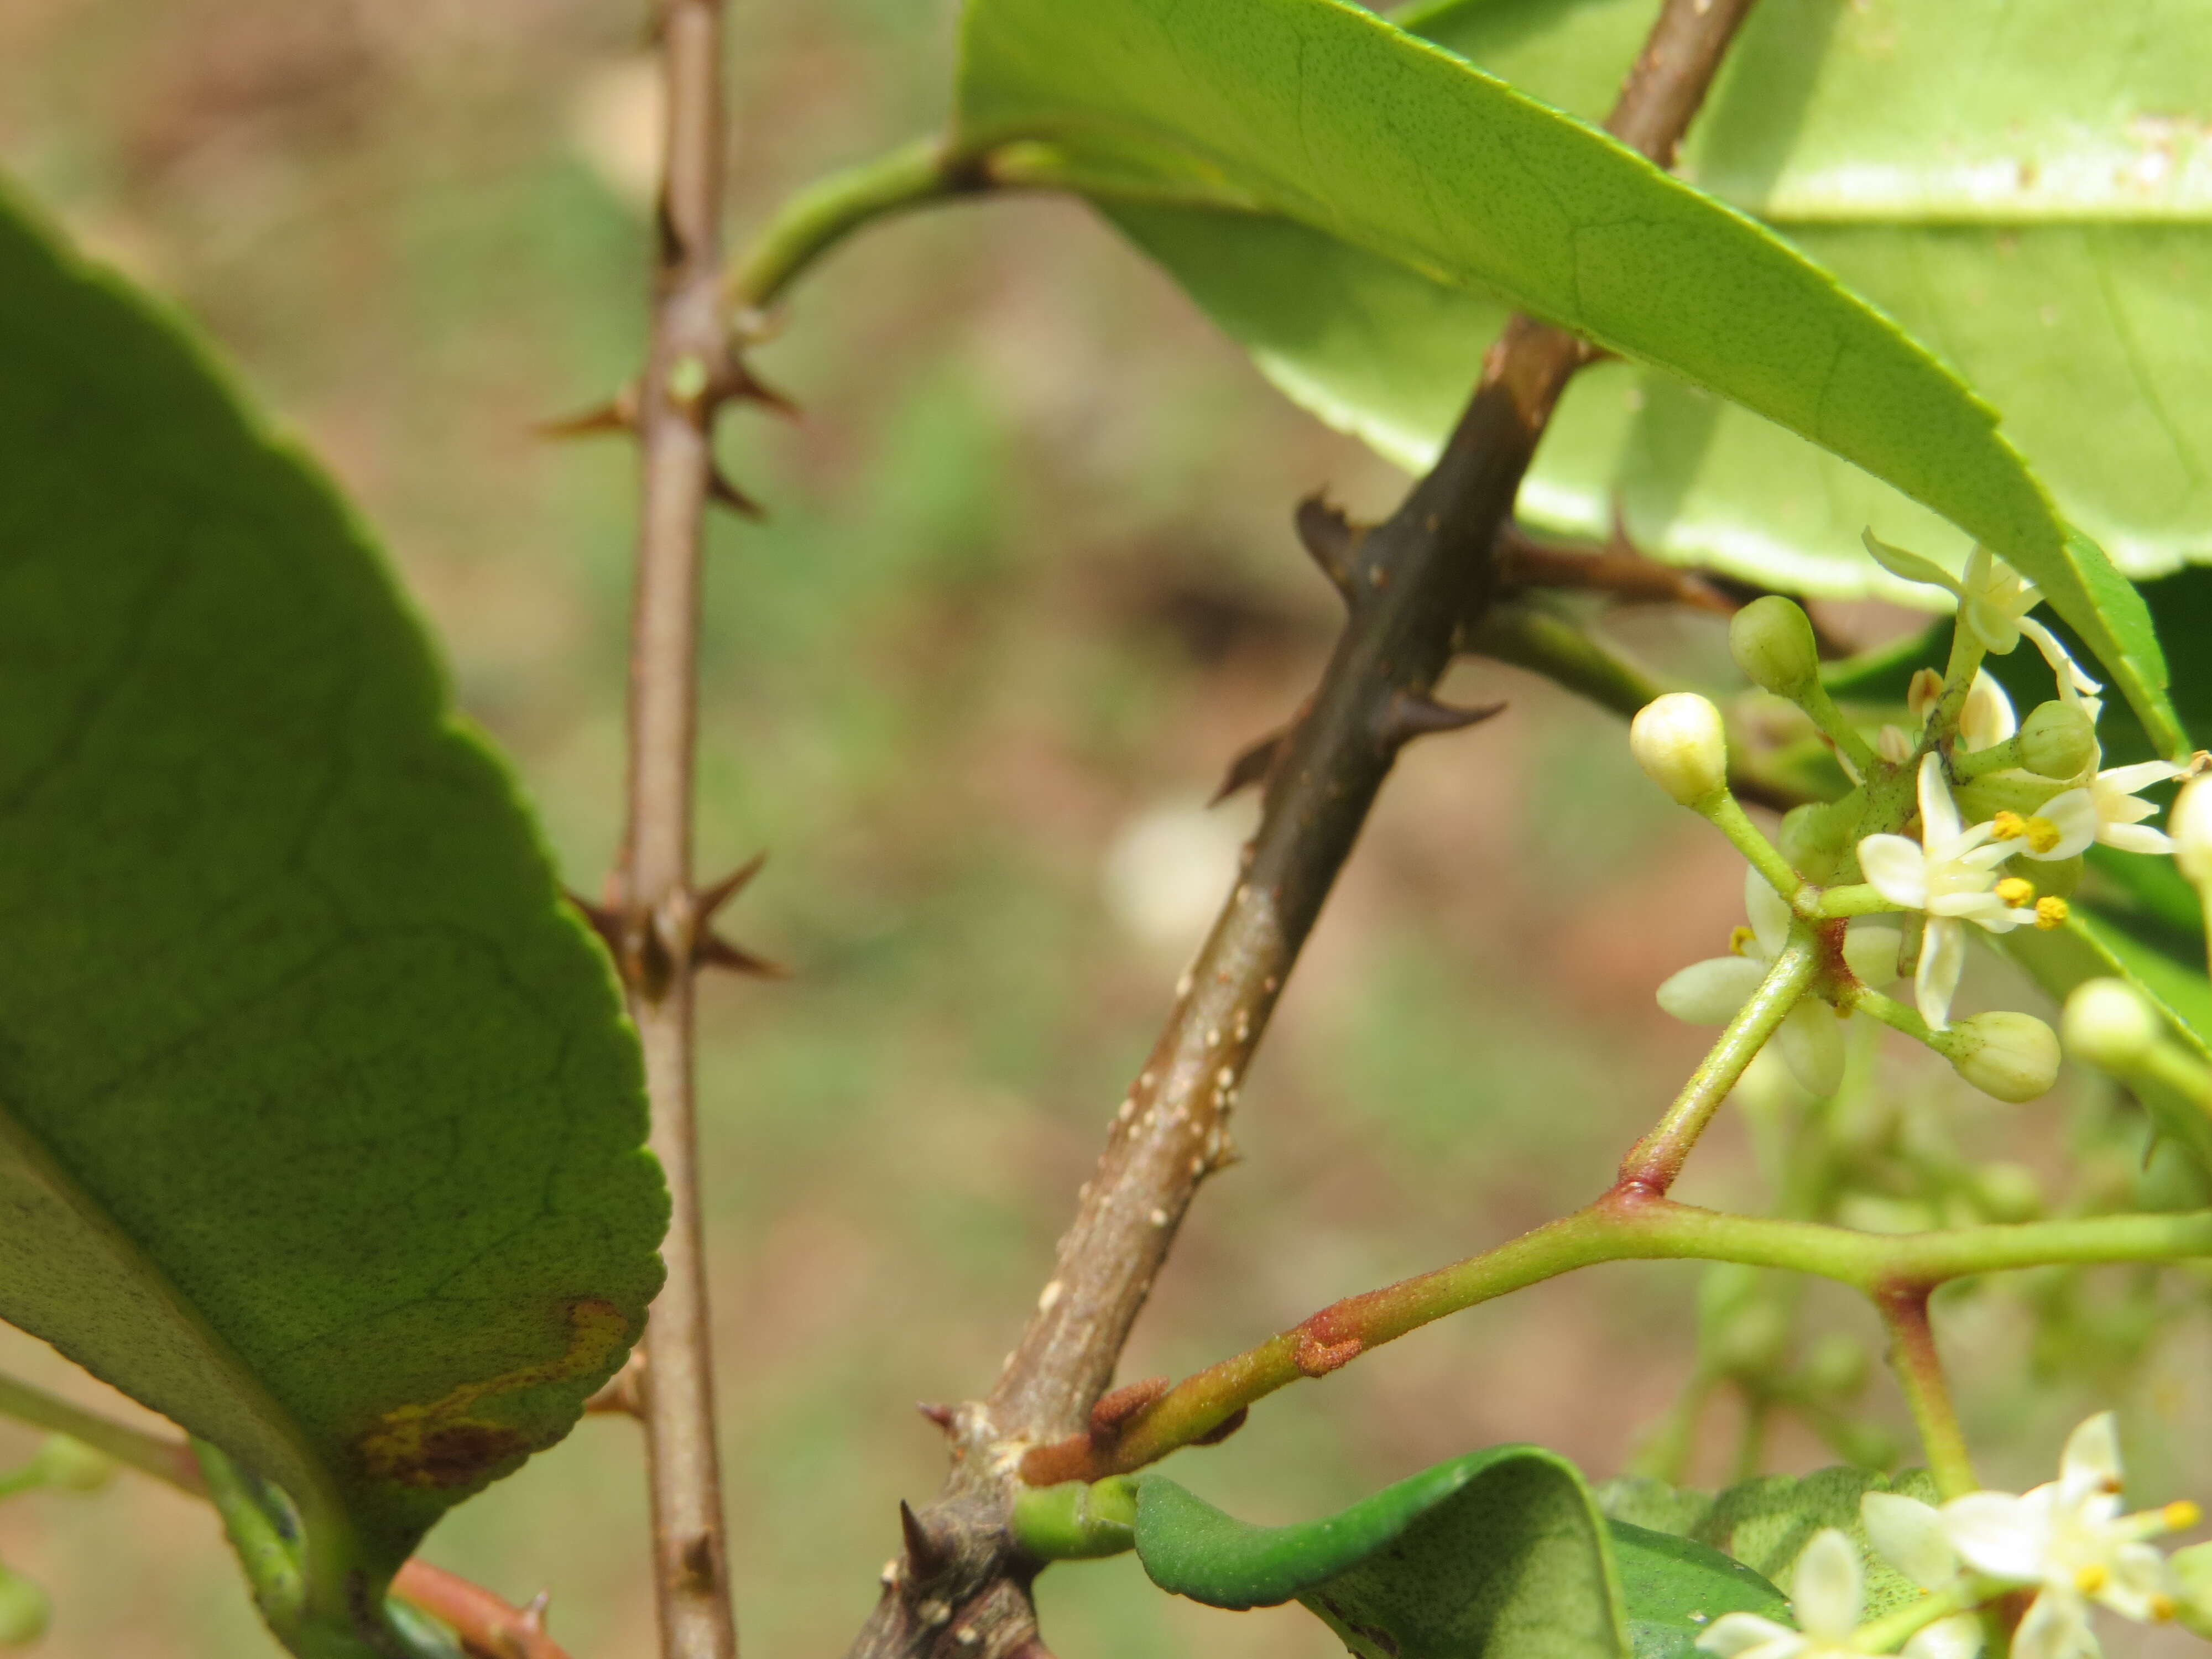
point(1827, 1593)
point(2069, 1539)
point(1992, 597)
point(2105, 810)
point(2190, 822)
point(1950, 874)
point(1810, 1037)
point(1986, 717)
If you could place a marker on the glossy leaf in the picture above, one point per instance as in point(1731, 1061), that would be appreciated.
point(1284, 157)
point(1499, 1553)
point(320, 1126)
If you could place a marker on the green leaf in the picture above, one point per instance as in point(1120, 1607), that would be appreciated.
point(1306, 164)
point(1766, 1524)
point(1499, 1553)
point(320, 1126)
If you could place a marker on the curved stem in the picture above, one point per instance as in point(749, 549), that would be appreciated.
point(1654, 1162)
point(1920, 1370)
point(166, 1460)
point(1627, 1224)
point(809, 224)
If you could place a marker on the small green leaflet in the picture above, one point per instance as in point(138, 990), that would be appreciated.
point(1304, 163)
point(1501, 1554)
point(321, 1130)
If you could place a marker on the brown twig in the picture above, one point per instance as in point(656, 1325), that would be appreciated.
point(1408, 583)
point(1615, 567)
point(690, 371)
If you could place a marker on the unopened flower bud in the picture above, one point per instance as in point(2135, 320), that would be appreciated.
point(2058, 740)
point(1818, 836)
point(2109, 1026)
point(72, 1465)
point(2011, 1055)
point(24, 1610)
point(1679, 742)
point(1771, 640)
point(2189, 821)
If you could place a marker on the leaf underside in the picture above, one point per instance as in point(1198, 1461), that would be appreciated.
point(320, 1128)
point(1355, 204)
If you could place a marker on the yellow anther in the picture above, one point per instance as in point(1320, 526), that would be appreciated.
point(2051, 913)
point(2163, 1608)
point(2091, 1579)
point(2016, 890)
point(2180, 1515)
point(2042, 835)
point(2008, 826)
point(1739, 942)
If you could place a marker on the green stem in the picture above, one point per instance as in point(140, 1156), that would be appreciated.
point(1860, 899)
point(1893, 1630)
point(1969, 764)
point(164, 1460)
point(1654, 1162)
point(1919, 1370)
point(1722, 810)
point(1816, 701)
point(1627, 1224)
point(2179, 1070)
point(1898, 1017)
point(809, 224)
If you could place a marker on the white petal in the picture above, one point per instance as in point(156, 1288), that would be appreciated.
point(2057, 1627)
point(2063, 668)
point(1987, 718)
point(1910, 567)
point(1811, 1039)
point(1735, 1634)
point(1958, 1637)
point(1828, 1590)
point(1942, 959)
point(2074, 815)
point(1911, 1534)
point(1897, 868)
point(2135, 838)
point(1939, 816)
point(2091, 1462)
point(2138, 1583)
point(1997, 626)
point(1709, 993)
point(1769, 913)
point(2132, 779)
point(1997, 1533)
point(1870, 951)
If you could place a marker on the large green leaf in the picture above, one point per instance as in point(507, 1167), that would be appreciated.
point(1765, 1523)
point(1308, 170)
point(320, 1128)
point(1501, 1554)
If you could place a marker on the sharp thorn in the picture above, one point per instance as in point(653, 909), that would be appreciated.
point(534, 1615)
point(1408, 715)
point(708, 900)
point(926, 1556)
point(617, 414)
point(711, 949)
point(727, 494)
point(753, 389)
point(1332, 539)
point(603, 922)
point(942, 1415)
point(1251, 766)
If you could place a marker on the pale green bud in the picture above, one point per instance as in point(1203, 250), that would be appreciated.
point(2009, 1192)
point(2109, 1026)
point(2057, 740)
point(24, 1610)
point(1816, 837)
point(1771, 640)
point(2189, 821)
point(1678, 741)
point(2011, 1055)
point(2192, 1576)
point(72, 1465)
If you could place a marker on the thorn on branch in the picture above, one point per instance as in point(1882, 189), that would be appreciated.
point(927, 1554)
point(1408, 715)
point(623, 1392)
point(1251, 766)
point(708, 948)
point(1333, 540)
point(617, 414)
point(727, 494)
point(944, 1415)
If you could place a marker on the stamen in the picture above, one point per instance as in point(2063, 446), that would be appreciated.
point(2092, 1579)
point(2016, 890)
point(2163, 1608)
point(2008, 826)
point(1741, 941)
point(2052, 913)
point(2043, 835)
point(2180, 1515)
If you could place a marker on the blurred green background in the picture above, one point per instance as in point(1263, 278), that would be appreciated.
point(1027, 585)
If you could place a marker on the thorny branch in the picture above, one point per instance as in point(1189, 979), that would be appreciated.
point(958, 1586)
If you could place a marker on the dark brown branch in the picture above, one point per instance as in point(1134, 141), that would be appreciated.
point(1409, 583)
point(653, 916)
point(1616, 568)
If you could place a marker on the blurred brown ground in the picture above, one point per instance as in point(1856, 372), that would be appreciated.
point(1028, 584)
